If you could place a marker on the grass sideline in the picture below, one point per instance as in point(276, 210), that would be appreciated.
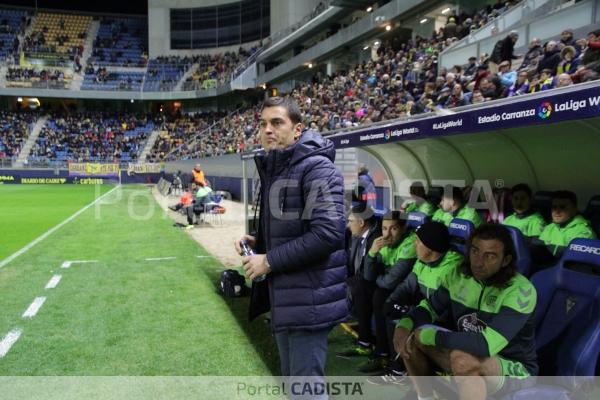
point(124, 315)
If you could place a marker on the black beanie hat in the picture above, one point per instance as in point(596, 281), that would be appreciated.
point(435, 236)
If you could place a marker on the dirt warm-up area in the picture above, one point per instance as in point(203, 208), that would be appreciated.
point(217, 238)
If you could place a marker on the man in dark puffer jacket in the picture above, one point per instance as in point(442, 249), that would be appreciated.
point(300, 240)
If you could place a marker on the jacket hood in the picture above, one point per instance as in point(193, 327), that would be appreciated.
point(311, 143)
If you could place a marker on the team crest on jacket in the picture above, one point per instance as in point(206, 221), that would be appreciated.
point(470, 323)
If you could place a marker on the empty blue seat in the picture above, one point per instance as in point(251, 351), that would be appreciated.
point(568, 320)
point(460, 230)
point(521, 247)
point(592, 213)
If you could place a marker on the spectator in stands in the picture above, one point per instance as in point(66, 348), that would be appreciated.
point(568, 63)
point(457, 99)
point(198, 175)
point(566, 39)
point(485, 346)
point(291, 251)
point(592, 53)
point(451, 29)
point(506, 75)
point(534, 52)
point(546, 79)
point(471, 68)
point(453, 206)
point(551, 57)
point(390, 259)
point(567, 224)
point(503, 50)
point(361, 282)
point(365, 187)
point(525, 218)
point(477, 97)
point(563, 80)
point(520, 86)
point(418, 201)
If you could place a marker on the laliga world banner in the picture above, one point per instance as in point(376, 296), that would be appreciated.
point(94, 169)
point(553, 108)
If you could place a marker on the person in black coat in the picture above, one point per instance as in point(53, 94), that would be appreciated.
point(299, 244)
point(503, 50)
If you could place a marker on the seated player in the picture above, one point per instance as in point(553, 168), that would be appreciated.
point(434, 261)
point(567, 224)
point(525, 218)
point(418, 200)
point(390, 259)
point(492, 309)
point(453, 206)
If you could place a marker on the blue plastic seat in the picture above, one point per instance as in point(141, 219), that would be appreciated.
point(416, 219)
point(460, 230)
point(523, 255)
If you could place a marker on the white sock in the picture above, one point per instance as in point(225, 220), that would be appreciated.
point(426, 398)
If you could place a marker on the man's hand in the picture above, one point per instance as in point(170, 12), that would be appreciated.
point(251, 240)
point(401, 345)
point(256, 266)
point(378, 244)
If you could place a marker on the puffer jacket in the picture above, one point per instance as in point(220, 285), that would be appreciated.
point(307, 286)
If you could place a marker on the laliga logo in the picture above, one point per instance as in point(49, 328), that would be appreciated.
point(387, 135)
point(544, 110)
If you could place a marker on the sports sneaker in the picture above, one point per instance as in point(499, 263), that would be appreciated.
point(356, 351)
point(189, 227)
point(390, 378)
point(372, 365)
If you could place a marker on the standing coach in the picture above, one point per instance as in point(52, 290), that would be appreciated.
point(300, 239)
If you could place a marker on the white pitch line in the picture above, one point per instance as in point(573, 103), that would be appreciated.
point(204, 256)
point(160, 258)
point(67, 264)
point(53, 282)
point(34, 307)
point(10, 339)
point(52, 230)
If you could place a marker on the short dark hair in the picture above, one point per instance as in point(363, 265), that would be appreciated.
point(565, 195)
point(290, 105)
point(394, 216)
point(522, 187)
point(365, 212)
point(457, 194)
point(494, 232)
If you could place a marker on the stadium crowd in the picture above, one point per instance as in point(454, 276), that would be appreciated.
point(14, 129)
point(93, 136)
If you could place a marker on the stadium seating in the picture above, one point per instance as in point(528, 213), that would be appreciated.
point(121, 42)
point(592, 213)
point(92, 137)
point(568, 317)
point(416, 219)
point(57, 34)
point(523, 256)
point(11, 23)
point(460, 230)
point(14, 129)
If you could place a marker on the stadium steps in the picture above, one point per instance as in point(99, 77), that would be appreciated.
point(187, 74)
point(87, 52)
point(33, 136)
point(3, 71)
point(149, 146)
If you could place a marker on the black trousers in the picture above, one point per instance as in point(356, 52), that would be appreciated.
point(362, 295)
point(382, 337)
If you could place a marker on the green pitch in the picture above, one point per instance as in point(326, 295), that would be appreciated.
point(122, 315)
